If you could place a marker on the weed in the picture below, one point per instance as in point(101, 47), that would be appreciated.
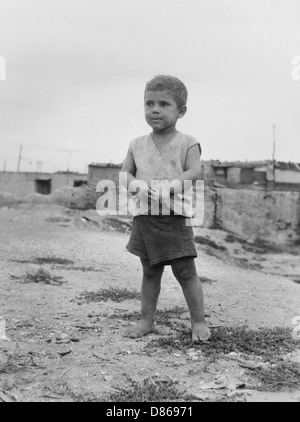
point(165, 316)
point(206, 241)
point(113, 293)
point(53, 260)
point(127, 316)
point(45, 260)
point(58, 219)
point(206, 280)
point(162, 317)
point(117, 224)
point(83, 269)
point(44, 277)
point(148, 390)
point(231, 238)
point(265, 342)
point(278, 377)
point(261, 246)
point(17, 361)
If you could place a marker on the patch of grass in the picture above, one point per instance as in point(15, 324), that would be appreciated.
point(207, 241)
point(58, 219)
point(127, 316)
point(83, 269)
point(44, 260)
point(56, 262)
point(117, 224)
point(43, 277)
point(113, 293)
point(230, 238)
point(162, 317)
point(53, 260)
point(278, 377)
point(244, 262)
point(262, 247)
point(17, 361)
point(206, 280)
point(165, 317)
point(265, 342)
point(148, 390)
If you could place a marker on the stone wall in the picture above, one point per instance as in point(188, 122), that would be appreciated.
point(257, 215)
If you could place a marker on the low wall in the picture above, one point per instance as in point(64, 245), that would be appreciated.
point(254, 215)
point(269, 216)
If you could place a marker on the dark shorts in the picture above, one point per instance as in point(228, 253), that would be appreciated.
point(161, 238)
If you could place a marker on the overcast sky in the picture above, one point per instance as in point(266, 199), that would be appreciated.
point(76, 71)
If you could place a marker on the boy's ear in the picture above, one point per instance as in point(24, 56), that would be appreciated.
point(182, 111)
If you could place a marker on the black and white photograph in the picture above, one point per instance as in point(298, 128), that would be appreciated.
point(149, 203)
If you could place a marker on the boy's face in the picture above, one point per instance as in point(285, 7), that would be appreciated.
point(161, 111)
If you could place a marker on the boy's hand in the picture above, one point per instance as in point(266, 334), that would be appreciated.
point(145, 191)
point(162, 195)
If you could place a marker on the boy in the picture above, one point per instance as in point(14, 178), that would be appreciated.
point(161, 234)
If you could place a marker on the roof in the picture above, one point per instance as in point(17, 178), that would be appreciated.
point(256, 164)
point(250, 164)
point(287, 166)
point(105, 165)
point(217, 163)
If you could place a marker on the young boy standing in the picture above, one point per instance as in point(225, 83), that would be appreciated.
point(161, 234)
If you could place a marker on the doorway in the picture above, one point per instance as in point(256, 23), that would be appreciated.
point(43, 186)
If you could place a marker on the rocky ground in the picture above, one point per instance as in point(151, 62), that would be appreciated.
point(68, 288)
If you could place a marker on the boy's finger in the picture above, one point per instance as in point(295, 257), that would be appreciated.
point(150, 194)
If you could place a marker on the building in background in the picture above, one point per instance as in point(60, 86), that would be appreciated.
point(22, 184)
point(103, 171)
point(259, 175)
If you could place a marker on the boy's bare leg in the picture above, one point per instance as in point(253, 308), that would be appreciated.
point(150, 293)
point(185, 271)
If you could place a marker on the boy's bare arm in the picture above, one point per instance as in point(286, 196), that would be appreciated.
point(192, 169)
point(133, 184)
point(129, 167)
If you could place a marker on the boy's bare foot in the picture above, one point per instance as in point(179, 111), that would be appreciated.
point(139, 330)
point(200, 332)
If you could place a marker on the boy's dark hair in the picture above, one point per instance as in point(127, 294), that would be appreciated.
point(171, 83)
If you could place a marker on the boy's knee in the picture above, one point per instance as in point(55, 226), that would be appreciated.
point(184, 269)
point(151, 272)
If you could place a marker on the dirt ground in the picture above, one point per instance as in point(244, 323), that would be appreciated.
point(63, 348)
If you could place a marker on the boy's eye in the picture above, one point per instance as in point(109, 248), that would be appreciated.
point(164, 104)
point(149, 103)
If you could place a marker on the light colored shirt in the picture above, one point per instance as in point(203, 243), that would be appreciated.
point(154, 167)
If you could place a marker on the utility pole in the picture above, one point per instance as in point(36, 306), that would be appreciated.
point(274, 144)
point(68, 151)
point(20, 157)
point(274, 147)
point(4, 167)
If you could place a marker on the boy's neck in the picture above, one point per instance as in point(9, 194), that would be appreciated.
point(164, 136)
